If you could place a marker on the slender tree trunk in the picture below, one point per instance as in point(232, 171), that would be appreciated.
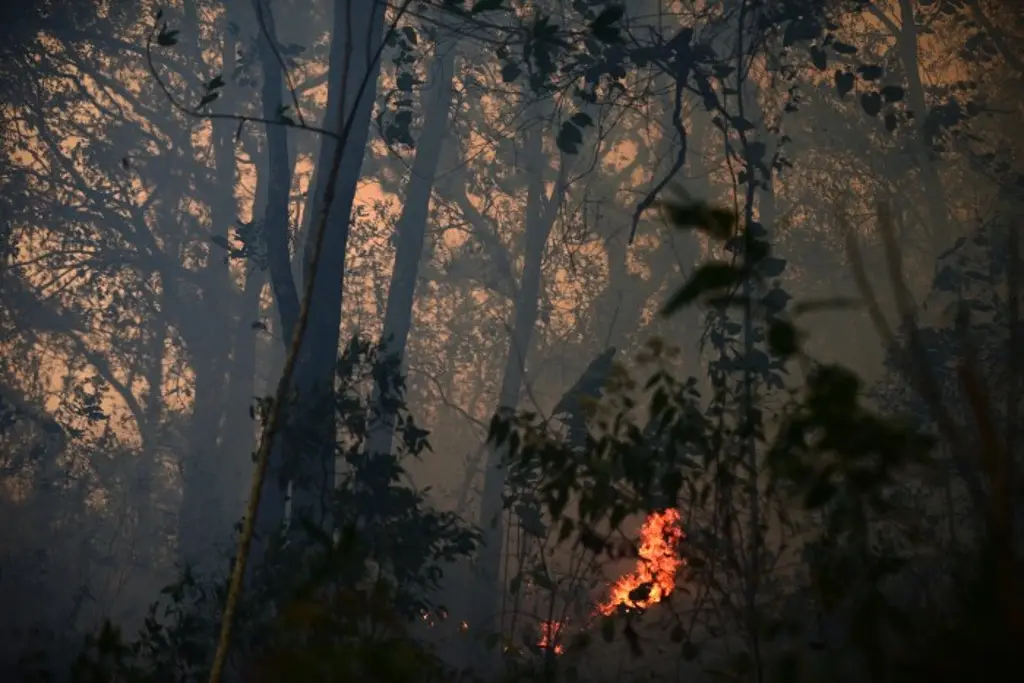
point(931, 182)
point(357, 36)
point(239, 431)
point(199, 489)
point(202, 518)
point(540, 216)
point(276, 222)
point(411, 233)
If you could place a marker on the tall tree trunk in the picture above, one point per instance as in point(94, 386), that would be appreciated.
point(540, 217)
point(411, 234)
point(238, 433)
point(201, 524)
point(357, 37)
point(275, 217)
point(937, 213)
point(931, 182)
point(199, 490)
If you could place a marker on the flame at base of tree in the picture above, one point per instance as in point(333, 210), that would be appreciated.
point(650, 582)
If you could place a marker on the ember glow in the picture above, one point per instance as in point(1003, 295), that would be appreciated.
point(650, 582)
point(549, 636)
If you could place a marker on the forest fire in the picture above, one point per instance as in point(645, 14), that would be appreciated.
point(655, 573)
point(549, 634)
point(650, 582)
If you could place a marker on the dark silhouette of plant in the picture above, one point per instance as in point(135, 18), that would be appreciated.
point(342, 603)
point(831, 458)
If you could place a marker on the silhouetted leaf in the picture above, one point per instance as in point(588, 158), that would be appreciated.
point(782, 339)
point(582, 120)
point(872, 103)
point(771, 267)
point(207, 98)
point(843, 48)
point(569, 138)
point(406, 81)
point(870, 72)
point(530, 521)
point(800, 30)
point(775, 300)
point(741, 124)
point(167, 38)
point(608, 16)
point(510, 72)
point(708, 278)
point(844, 82)
point(718, 223)
point(892, 93)
point(819, 58)
point(603, 26)
point(641, 593)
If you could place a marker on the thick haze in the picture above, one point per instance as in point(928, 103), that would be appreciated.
point(156, 238)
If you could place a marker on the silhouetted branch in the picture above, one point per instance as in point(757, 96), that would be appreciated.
point(241, 119)
point(682, 74)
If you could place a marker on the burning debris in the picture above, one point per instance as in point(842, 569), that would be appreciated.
point(650, 582)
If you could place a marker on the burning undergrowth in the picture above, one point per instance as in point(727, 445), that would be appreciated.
point(652, 579)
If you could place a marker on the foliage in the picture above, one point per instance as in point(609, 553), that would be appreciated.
point(342, 605)
point(832, 458)
point(769, 438)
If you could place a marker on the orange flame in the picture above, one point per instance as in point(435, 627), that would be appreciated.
point(650, 582)
point(655, 574)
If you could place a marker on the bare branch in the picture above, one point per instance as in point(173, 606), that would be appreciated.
point(195, 113)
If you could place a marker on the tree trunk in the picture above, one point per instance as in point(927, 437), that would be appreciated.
point(540, 216)
point(201, 524)
point(931, 182)
point(199, 487)
point(411, 235)
point(276, 222)
point(357, 37)
point(239, 431)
